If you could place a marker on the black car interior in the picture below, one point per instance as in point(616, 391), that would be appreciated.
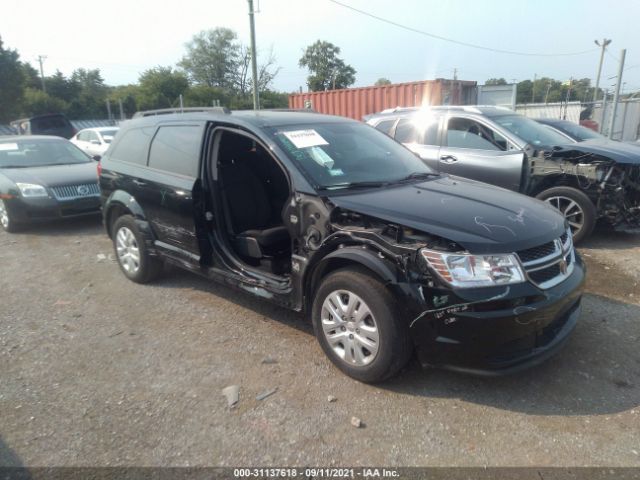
point(253, 191)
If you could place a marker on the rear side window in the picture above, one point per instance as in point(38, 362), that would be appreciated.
point(385, 126)
point(133, 146)
point(416, 130)
point(176, 149)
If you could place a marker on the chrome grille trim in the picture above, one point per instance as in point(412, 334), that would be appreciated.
point(72, 192)
point(563, 258)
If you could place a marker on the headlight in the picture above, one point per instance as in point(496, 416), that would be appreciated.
point(32, 190)
point(464, 270)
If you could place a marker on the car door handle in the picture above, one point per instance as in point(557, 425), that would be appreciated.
point(448, 159)
point(139, 183)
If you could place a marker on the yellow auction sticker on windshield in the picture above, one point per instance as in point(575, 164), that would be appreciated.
point(305, 138)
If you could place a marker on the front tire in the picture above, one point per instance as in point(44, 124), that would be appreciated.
point(357, 323)
point(132, 253)
point(6, 220)
point(575, 206)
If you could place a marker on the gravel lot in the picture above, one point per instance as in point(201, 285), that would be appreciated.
point(96, 370)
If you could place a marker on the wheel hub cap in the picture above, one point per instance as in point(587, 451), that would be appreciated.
point(127, 250)
point(571, 211)
point(350, 328)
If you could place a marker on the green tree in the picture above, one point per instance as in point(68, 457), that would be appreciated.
point(212, 58)
point(61, 87)
point(327, 70)
point(382, 81)
point(496, 81)
point(36, 102)
point(128, 95)
point(161, 87)
point(12, 82)
point(31, 76)
point(90, 100)
point(206, 96)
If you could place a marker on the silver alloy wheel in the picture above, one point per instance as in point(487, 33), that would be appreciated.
point(128, 251)
point(571, 210)
point(350, 328)
point(4, 214)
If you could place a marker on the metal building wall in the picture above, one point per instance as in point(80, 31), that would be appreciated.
point(358, 102)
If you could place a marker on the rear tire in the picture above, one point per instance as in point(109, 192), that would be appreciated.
point(357, 322)
point(132, 253)
point(575, 206)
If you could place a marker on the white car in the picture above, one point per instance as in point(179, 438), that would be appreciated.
point(94, 141)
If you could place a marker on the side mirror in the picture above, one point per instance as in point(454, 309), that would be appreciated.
point(97, 158)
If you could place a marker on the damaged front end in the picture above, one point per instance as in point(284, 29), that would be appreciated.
point(483, 328)
point(611, 182)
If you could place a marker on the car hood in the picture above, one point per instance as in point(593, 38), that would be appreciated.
point(479, 217)
point(619, 152)
point(55, 175)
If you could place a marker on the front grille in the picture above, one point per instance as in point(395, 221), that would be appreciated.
point(70, 192)
point(551, 263)
point(536, 253)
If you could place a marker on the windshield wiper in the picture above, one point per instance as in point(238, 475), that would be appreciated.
point(419, 175)
point(350, 185)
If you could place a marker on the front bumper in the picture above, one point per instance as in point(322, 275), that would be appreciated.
point(32, 210)
point(497, 330)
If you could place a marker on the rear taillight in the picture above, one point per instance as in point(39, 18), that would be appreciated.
point(99, 169)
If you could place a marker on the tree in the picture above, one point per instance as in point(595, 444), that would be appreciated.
point(382, 81)
point(266, 72)
point(160, 87)
point(11, 84)
point(496, 81)
point(37, 102)
point(61, 87)
point(327, 70)
point(212, 58)
point(90, 100)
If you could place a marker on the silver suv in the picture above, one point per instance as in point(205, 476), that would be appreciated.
point(585, 181)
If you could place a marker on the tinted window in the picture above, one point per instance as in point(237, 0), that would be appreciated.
point(385, 126)
point(83, 136)
point(133, 146)
point(176, 149)
point(467, 133)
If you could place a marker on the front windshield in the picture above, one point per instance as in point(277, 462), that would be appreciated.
point(39, 153)
point(340, 155)
point(530, 131)
point(579, 132)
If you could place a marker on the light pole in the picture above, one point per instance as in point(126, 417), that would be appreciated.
point(254, 61)
point(603, 47)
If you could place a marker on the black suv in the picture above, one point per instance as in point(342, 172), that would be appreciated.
point(50, 124)
point(330, 216)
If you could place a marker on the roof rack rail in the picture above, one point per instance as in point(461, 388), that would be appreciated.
point(308, 110)
point(167, 111)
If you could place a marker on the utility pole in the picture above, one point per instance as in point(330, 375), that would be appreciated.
point(254, 60)
point(546, 96)
point(614, 107)
point(41, 59)
point(604, 111)
point(603, 47)
point(455, 74)
point(181, 104)
point(109, 109)
point(121, 109)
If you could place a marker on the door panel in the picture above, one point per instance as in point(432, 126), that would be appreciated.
point(475, 150)
point(503, 169)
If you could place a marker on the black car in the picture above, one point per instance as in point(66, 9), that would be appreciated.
point(55, 124)
point(44, 178)
point(571, 131)
point(329, 216)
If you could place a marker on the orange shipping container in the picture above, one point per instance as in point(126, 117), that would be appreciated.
point(358, 102)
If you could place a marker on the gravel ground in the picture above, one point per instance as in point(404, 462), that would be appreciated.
point(96, 370)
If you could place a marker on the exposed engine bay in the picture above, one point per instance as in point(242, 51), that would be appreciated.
point(613, 187)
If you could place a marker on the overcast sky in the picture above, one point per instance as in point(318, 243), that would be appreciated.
point(123, 38)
